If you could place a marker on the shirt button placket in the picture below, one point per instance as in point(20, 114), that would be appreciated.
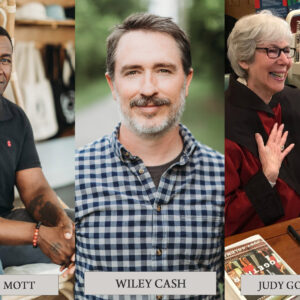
point(158, 208)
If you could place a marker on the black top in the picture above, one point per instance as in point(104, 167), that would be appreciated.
point(157, 171)
point(17, 150)
point(241, 106)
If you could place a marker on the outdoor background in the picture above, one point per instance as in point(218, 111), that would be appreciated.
point(96, 112)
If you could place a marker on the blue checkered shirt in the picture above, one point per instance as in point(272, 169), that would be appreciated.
point(123, 223)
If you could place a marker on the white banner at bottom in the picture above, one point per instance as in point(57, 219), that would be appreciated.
point(150, 283)
point(274, 285)
point(28, 285)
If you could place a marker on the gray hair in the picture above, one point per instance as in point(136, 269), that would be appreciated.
point(250, 31)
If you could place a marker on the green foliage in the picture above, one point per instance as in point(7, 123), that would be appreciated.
point(206, 30)
point(94, 20)
point(204, 113)
point(96, 90)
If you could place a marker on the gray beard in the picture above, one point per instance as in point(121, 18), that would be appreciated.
point(155, 130)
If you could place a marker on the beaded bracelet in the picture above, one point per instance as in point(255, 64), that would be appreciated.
point(36, 234)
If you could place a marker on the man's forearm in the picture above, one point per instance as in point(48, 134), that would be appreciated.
point(56, 238)
point(45, 208)
point(50, 239)
point(16, 232)
point(38, 198)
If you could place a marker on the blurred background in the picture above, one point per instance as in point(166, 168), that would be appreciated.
point(43, 84)
point(96, 112)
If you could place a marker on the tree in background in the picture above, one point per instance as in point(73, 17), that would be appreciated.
point(94, 19)
point(205, 24)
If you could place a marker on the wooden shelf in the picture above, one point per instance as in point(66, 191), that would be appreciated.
point(45, 31)
point(64, 3)
point(52, 23)
point(44, 34)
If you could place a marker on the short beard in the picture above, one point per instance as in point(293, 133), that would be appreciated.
point(155, 130)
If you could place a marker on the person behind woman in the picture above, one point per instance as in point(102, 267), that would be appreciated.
point(262, 145)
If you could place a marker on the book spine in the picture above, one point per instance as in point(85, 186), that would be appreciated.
point(297, 43)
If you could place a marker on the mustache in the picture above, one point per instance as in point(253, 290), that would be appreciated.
point(143, 101)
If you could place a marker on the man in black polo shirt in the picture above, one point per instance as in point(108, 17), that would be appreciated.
point(44, 223)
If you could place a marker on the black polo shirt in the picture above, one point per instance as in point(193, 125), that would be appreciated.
point(17, 150)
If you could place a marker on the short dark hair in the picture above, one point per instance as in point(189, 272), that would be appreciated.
point(149, 22)
point(3, 32)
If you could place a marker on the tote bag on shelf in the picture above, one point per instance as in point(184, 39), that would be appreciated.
point(63, 87)
point(36, 90)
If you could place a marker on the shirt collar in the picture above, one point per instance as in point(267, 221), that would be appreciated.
point(5, 112)
point(189, 144)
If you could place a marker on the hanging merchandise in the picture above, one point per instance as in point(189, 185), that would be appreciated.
point(293, 4)
point(36, 91)
point(57, 60)
point(67, 98)
point(277, 7)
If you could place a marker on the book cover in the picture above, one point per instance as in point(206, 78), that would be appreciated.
point(253, 256)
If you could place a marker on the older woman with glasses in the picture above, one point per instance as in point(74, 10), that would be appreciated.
point(262, 146)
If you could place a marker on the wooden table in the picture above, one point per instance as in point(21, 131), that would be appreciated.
point(278, 238)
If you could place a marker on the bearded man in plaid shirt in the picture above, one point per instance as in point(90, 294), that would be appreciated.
point(149, 197)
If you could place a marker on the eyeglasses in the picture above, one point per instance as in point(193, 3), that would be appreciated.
point(5, 61)
point(274, 52)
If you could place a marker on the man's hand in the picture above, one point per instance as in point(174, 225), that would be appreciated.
point(56, 237)
point(67, 227)
point(272, 154)
point(70, 269)
point(53, 243)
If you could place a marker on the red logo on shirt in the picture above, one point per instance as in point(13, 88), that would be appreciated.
point(9, 143)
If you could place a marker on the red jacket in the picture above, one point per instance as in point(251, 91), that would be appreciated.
point(250, 201)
